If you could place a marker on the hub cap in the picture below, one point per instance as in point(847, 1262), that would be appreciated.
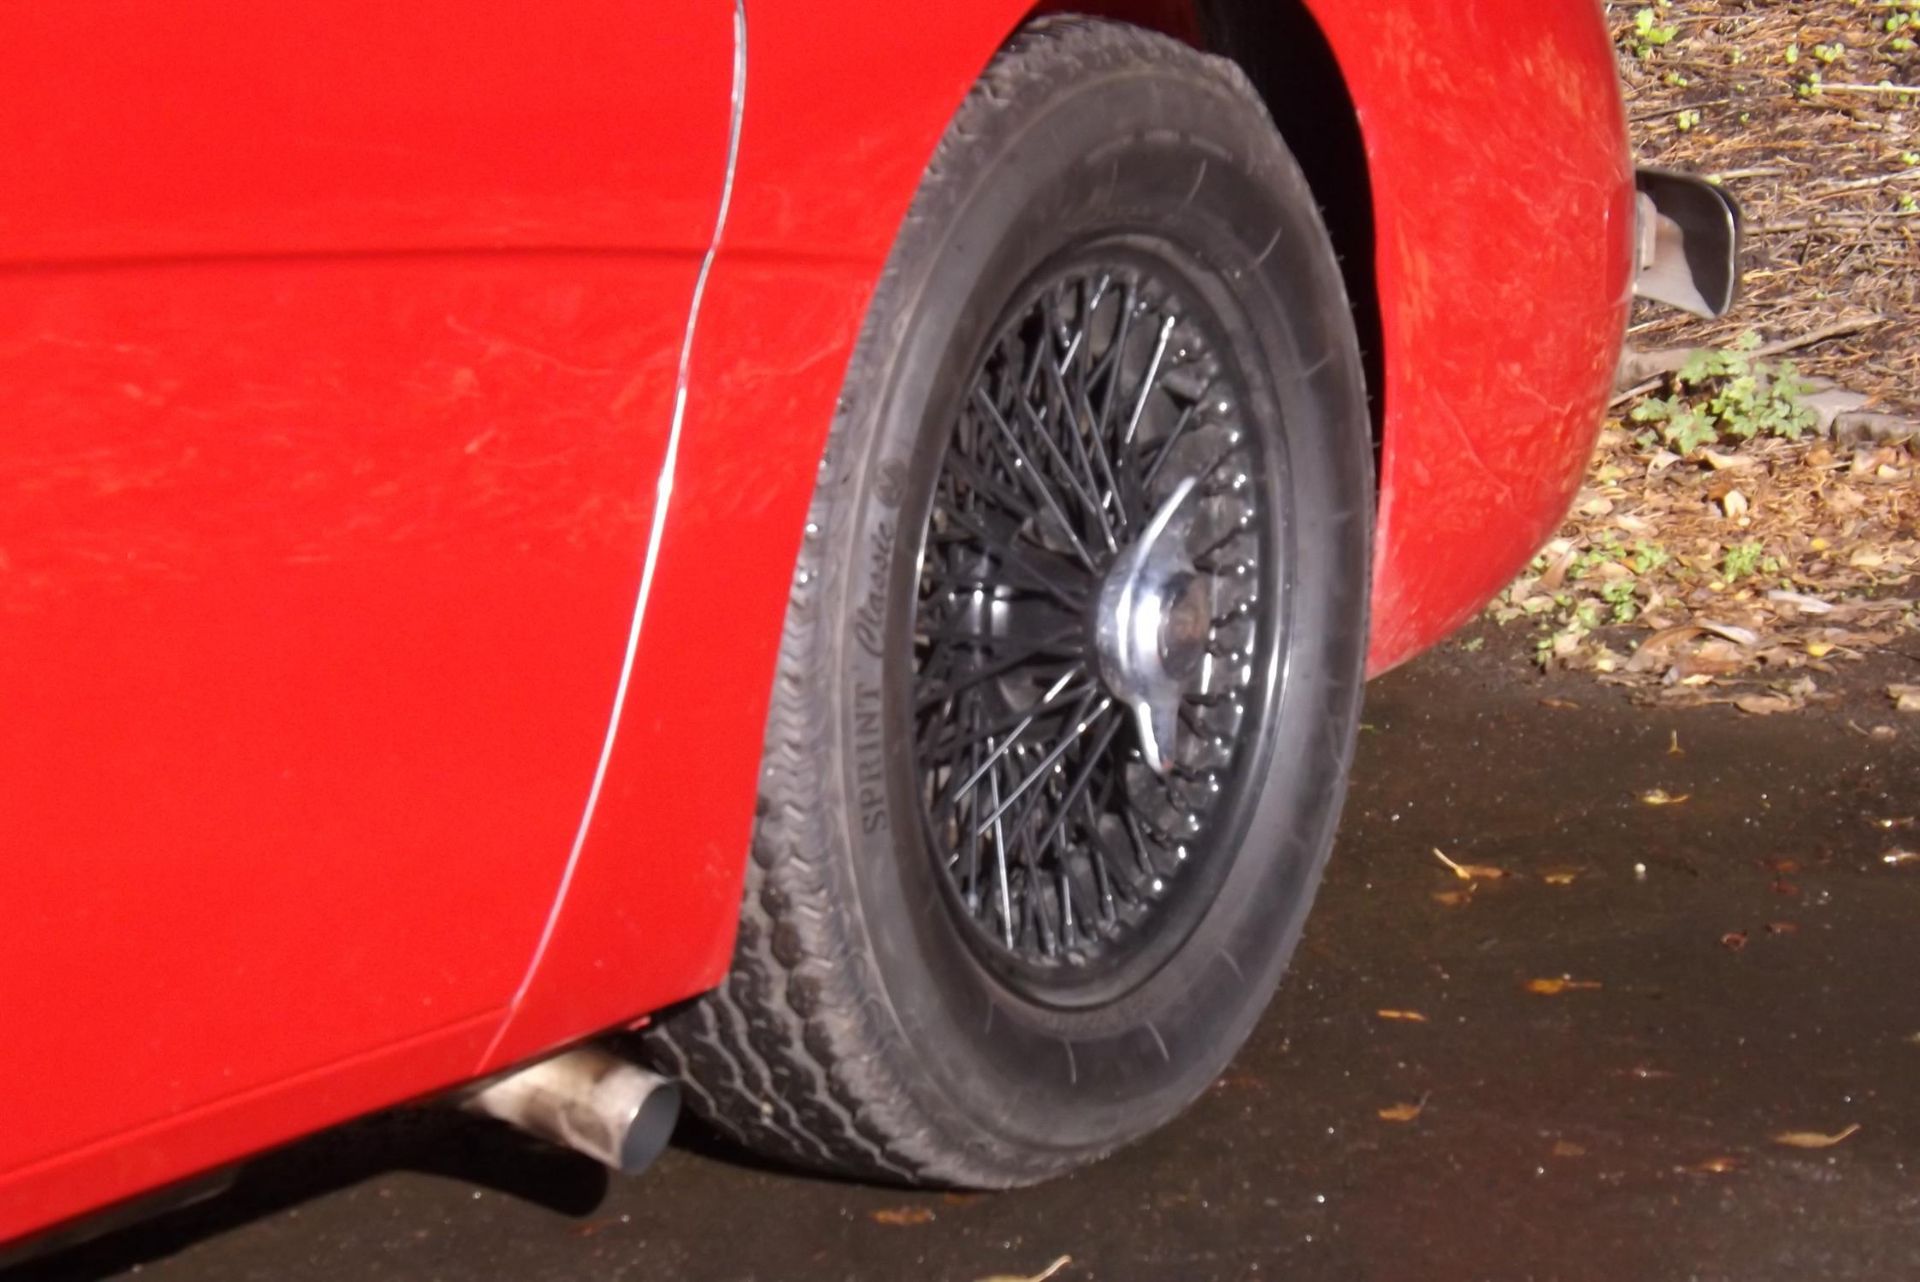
point(1092, 655)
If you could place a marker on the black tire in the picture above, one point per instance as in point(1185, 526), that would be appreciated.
point(864, 1029)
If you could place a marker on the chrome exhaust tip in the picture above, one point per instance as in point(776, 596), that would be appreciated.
point(1688, 234)
point(590, 1101)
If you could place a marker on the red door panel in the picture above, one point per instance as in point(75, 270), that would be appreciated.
point(326, 465)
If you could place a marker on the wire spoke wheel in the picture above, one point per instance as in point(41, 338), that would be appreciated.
point(1072, 663)
point(1089, 623)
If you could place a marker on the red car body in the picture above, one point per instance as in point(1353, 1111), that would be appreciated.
point(410, 415)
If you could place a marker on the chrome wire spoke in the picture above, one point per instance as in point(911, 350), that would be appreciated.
point(1065, 471)
point(1086, 715)
point(1146, 383)
point(1012, 725)
point(1032, 476)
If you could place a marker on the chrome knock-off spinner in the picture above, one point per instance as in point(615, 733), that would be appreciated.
point(1151, 625)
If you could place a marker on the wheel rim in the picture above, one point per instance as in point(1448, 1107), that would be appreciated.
point(1098, 610)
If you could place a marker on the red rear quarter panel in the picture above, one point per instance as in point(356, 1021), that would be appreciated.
point(1503, 208)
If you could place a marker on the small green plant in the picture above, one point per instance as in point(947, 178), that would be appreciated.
point(1682, 426)
point(1603, 549)
point(1648, 557)
point(1647, 34)
point(1830, 54)
point(1729, 394)
point(1686, 120)
point(1620, 594)
point(1741, 561)
point(1898, 25)
point(1543, 649)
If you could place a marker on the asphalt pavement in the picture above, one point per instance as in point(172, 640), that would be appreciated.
point(1670, 1041)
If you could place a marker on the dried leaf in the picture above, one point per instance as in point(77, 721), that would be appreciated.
point(1716, 658)
point(902, 1215)
point(1782, 928)
point(1726, 462)
point(1453, 898)
point(1553, 987)
point(1765, 705)
point(1813, 1139)
point(1560, 876)
point(1412, 1015)
point(1403, 1112)
point(1042, 1276)
point(1567, 1148)
point(1470, 872)
point(1732, 632)
point(1564, 704)
point(1906, 698)
point(1734, 504)
point(1800, 601)
point(1653, 651)
point(1673, 748)
point(1661, 797)
point(1734, 940)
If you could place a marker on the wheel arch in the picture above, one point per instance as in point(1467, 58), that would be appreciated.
point(1280, 46)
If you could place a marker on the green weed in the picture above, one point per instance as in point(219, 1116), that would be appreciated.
point(1728, 394)
point(1647, 34)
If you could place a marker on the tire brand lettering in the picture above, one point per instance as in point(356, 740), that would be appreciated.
point(869, 758)
point(869, 621)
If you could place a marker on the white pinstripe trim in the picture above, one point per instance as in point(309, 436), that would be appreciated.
point(662, 496)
